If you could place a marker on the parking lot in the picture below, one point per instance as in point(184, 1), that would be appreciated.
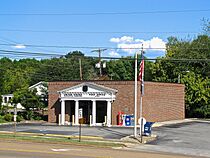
point(105, 132)
point(191, 138)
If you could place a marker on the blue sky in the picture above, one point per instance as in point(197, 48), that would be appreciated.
point(153, 27)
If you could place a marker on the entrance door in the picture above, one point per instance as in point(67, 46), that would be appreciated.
point(86, 107)
point(101, 111)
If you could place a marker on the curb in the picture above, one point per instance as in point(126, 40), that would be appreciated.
point(54, 135)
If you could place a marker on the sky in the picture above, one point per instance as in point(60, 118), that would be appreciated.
point(86, 25)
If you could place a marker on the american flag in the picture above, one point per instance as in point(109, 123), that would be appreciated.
point(141, 70)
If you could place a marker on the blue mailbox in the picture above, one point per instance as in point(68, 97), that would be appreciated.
point(148, 128)
point(128, 120)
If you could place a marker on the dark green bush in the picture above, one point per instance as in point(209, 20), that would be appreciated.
point(2, 119)
point(19, 118)
point(8, 117)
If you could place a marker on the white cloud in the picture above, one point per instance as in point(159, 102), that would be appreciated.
point(19, 46)
point(124, 39)
point(114, 54)
point(126, 42)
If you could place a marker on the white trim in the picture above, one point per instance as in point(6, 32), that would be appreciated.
point(84, 99)
point(92, 85)
point(95, 93)
point(109, 113)
point(39, 83)
point(76, 112)
point(94, 112)
point(62, 112)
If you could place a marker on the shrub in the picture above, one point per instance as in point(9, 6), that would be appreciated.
point(2, 119)
point(19, 118)
point(8, 117)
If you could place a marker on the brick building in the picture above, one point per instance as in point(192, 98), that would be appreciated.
point(101, 101)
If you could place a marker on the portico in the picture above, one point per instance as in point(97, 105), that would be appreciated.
point(94, 100)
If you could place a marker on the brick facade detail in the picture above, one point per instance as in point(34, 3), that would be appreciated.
point(161, 102)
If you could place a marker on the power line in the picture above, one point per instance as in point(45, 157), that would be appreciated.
point(123, 58)
point(29, 53)
point(14, 43)
point(106, 13)
point(98, 32)
point(96, 47)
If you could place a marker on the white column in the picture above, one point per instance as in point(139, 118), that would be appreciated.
point(76, 112)
point(109, 113)
point(62, 112)
point(94, 112)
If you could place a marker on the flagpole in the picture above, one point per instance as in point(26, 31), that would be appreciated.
point(135, 98)
point(141, 98)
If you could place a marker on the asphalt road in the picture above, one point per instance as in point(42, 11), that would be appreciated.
point(105, 132)
point(37, 150)
point(190, 138)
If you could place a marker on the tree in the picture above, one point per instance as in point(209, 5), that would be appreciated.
point(29, 100)
point(206, 26)
point(121, 69)
point(5, 64)
point(197, 95)
point(194, 74)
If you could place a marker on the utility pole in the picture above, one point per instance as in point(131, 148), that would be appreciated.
point(80, 68)
point(99, 56)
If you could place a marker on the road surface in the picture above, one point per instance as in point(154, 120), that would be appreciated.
point(191, 138)
point(15, 149)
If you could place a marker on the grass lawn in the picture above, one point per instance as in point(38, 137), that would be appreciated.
point(46, 139)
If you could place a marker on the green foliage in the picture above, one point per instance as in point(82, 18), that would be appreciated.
point(206, 26)
point(197, 95)
point(20, 118)
point(120, 69)
point(123, 69)
point(2, 120)
point(195, 75)
point(8, 117)
point(29, 100)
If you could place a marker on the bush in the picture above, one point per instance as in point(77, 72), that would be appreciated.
point(19, 118)
point(37, 118)
point(8, 117)
point(2, 119)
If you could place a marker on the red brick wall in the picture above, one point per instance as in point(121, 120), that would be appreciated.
point(161, 102)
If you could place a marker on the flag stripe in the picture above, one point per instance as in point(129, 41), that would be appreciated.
point(141, 71)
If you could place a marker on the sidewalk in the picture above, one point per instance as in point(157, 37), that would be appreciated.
point(166, 123)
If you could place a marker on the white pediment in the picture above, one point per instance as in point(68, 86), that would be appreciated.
point(88, 90)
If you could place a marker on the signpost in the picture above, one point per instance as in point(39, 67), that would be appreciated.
point(15, 119)
point(80, 123)
point(142, 122)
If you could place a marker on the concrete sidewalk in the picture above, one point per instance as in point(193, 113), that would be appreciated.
point(167, 123)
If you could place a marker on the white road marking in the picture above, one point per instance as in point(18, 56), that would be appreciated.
point(57, 150)
point(177, 141)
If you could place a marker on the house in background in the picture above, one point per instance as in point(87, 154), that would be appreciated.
point(6, 101)
point(41, 88)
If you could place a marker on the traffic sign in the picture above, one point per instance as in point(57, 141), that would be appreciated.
point(80, 113)
point(144, 121)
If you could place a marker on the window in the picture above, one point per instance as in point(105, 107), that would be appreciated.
point(5, 99)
